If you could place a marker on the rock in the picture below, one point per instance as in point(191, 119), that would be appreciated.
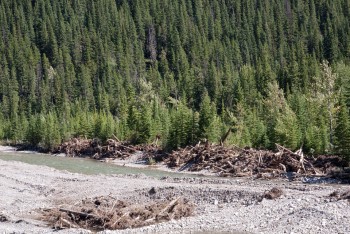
point(273, 193)
point(152, 191)
point(3, 218)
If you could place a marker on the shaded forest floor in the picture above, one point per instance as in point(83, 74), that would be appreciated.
point(215, 159)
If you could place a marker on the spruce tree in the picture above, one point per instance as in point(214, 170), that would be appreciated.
point(92, 57)
point(342, 131)
point(206, 116)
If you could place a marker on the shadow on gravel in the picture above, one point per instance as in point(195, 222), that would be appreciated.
point(338, 195)
point(3, 218)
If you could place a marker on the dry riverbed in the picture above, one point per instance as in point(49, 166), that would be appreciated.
point(232, 205)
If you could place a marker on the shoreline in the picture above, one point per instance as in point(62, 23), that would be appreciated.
point(4, 148)
point(135, 162)
point(222, 204)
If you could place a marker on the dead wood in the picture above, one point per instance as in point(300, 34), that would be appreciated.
point(225, 161)
point(112, 148)
point(225, 136)
point(69, 224)
point(109, 213)
point(81, 214)
point(170, 206)
point(234, 161)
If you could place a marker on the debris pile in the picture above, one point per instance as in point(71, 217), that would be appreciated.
point(236, 161)
point(224, 161)
point(102, 213)
point(77, 147)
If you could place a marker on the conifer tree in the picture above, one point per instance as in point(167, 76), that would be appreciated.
point(34, 132)
point(111, 59)
point(342, 131)
point(206, 116)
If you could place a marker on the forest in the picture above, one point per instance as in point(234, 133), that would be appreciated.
point(268, 71)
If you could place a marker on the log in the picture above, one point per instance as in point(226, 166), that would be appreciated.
point(170, 206)
point(116, 138)
point(68, 223)
point(120, 218)
point(82, 214)
point(225, 136)
point(126, 147)
point(279, 147)
point(284, 167)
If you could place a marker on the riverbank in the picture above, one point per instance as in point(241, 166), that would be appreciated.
point(208, 160)
point(222, 205)
point(212, 159)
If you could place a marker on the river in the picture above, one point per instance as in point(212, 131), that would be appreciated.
point(80, 165)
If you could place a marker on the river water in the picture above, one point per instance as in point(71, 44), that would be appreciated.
point(80, 165)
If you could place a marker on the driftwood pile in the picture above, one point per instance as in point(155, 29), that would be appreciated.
point(112, 148)
point(236, 161)
point(103, 213)
point(225, 161)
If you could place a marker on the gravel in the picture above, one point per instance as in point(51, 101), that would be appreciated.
point(223, 205)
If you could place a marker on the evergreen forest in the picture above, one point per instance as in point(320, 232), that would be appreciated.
point(269, 71)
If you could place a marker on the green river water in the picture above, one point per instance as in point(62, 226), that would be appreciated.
point(82, 165)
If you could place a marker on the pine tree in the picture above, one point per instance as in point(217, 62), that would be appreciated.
point(287, 129)
point(181, 127)
point(87, 58)
point(145, 125)
point(50, 132)
point(206, 116)
point(342, 131)
point(34, 133)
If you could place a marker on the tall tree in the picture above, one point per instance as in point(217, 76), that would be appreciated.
point(342, 131)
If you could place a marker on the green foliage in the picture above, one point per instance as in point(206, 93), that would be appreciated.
point(207, 118)
point(257, 129)
point(183, 127)
point(145, 125)
point(104, 126)
point(2, 126)
point(287, 130)
point(50, 130)
point(97, 68)
point(342, 131)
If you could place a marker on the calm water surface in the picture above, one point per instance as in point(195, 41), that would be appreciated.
point(82, 165)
